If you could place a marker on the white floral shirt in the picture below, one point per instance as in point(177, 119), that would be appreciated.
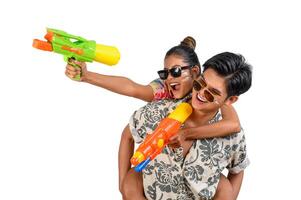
point(171, 176)
point(160, 90)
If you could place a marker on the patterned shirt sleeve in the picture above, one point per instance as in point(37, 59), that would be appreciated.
point(133, 124)
point(239, 156)
point(159, 89)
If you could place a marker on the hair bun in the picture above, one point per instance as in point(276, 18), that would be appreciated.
point(188, 42)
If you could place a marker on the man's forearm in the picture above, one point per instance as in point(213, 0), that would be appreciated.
point(126, 149)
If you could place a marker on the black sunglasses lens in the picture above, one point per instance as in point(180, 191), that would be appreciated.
point(175, 72)
point(163, 74)
point(196, 86)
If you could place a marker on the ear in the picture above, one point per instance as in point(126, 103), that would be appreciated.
point(231, 100)
point(195, 71)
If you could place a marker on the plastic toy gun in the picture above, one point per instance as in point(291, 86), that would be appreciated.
point(155, 142)
point(77, 48)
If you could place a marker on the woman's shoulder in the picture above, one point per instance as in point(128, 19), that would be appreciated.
point(160, 90)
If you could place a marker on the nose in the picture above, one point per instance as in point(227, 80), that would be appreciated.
point(202, 92)
point(169, 76)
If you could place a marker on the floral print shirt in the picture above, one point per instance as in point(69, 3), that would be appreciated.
point(170, 175)
point(160, 89)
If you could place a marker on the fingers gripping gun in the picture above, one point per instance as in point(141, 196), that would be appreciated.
point(155, 142)
point(77, 47)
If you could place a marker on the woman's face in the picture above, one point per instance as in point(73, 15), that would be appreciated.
point(178, 87)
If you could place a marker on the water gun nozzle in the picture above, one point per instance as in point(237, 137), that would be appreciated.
point(43, 45)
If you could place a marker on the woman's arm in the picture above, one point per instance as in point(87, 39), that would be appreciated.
point(228, 187)
point(120, 85)
point(126, 150)
point(228, 125)
point(117, 84)
point(236, 181)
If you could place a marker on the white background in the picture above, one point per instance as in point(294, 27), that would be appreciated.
point(59, 138)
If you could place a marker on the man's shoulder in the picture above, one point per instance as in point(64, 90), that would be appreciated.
point(162, 107)
point(217, 117)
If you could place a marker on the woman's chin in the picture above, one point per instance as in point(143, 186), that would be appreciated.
point(178, 95)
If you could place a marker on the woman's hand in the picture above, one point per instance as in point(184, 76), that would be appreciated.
point(177, 140)
point(72, 72)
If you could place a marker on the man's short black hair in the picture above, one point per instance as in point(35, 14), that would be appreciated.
point(235, 69)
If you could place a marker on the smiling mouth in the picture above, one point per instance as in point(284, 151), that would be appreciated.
point(174, 86)
point(200, 98)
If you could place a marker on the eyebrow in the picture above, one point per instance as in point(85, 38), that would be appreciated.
point(171, 67)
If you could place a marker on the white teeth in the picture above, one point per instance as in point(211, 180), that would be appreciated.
point(174, 86)
point(201, 98)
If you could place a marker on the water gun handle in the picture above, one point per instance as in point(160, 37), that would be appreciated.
point(76, 66)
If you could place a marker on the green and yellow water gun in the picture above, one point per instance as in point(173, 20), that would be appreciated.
point(78, 48)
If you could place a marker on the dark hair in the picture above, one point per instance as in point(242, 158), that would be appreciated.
point(235, 69)
point(185, 50)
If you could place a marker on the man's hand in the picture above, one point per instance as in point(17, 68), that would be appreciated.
point(72, 72)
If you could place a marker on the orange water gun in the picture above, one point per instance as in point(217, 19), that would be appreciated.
point(154, 143)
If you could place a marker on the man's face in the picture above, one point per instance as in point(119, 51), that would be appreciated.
point(209, 92)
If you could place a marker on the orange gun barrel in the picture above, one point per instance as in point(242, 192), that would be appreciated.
point(43, 45)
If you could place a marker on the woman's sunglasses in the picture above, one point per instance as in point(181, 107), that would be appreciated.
point(174, 72)
point(198, 85)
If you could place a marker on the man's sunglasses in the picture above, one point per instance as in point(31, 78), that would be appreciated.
point(174, 72)
point(201, 84)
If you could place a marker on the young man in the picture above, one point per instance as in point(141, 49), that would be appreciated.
point(193, 171)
